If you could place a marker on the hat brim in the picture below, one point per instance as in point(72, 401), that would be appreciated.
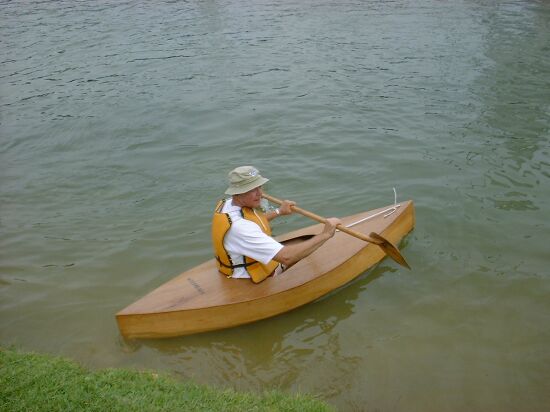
point(237, 190)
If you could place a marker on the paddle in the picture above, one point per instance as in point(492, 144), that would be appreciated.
point(388, 248)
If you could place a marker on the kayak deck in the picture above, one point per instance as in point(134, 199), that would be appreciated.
point(201, 299)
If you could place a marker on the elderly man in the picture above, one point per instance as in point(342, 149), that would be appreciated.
point(241, 233)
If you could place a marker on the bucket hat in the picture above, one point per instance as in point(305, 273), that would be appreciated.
point(243, 179)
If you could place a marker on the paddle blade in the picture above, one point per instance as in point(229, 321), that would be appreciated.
point(389, 249)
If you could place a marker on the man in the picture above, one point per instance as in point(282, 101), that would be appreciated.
point(241, 233)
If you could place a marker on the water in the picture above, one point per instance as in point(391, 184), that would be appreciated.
point(119, 121)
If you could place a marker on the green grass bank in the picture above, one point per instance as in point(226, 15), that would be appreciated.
point(35, 382)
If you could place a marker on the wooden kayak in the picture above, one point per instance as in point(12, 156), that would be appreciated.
point(201, 299)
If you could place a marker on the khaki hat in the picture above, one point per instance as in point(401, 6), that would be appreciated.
point(243, 179)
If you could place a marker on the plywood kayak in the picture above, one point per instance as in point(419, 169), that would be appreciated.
point(201, 299)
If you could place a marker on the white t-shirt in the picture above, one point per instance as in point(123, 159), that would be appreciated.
point(246, 238)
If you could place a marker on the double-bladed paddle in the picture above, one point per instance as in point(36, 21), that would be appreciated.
point(373, 237)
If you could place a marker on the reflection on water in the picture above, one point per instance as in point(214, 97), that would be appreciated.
point(120, 120)
point(513, 126)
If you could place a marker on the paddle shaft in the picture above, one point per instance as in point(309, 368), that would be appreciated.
point(321, 219)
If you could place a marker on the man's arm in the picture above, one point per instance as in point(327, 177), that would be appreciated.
point(291, 254)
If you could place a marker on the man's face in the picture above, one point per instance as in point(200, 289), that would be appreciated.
point(251, 198)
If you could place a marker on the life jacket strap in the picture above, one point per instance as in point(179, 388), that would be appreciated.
point(240, 265)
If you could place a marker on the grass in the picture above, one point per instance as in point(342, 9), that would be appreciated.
point(34, 382)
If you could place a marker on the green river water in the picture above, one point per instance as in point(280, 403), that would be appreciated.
point(119, 121)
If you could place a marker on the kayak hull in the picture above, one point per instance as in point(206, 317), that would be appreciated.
point(201, 299)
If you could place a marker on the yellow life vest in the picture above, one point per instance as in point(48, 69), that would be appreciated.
point(221, 222)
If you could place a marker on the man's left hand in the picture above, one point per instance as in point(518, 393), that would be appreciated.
point(286, 207)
